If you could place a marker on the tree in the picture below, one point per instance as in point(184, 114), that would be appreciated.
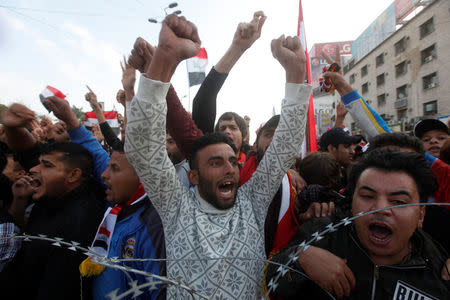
point(2, 108)
point(78, 111)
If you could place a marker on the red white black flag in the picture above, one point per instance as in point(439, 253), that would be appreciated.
point(196, 67)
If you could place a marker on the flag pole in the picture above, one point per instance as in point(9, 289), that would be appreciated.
point(311, 136)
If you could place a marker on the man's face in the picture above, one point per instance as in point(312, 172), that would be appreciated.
point(120, 178)
point(217, 175)
point(174, 153)
point(49, 176)
point(264, 140)
point(433, 141)
point(343, 153)
point(231, 129)
point(386, 234)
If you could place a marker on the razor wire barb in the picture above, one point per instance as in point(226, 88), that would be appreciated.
point(135, 290)
point(317, 236)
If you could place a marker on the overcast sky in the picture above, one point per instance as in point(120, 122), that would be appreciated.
point(68, 44)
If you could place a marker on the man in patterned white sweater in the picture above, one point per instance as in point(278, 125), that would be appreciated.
point(214, 231)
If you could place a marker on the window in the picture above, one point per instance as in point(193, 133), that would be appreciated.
point(426, 28)
point(402, 92)
point(379, 60)
point(380, 79)
point(430, 81)
point(430, 108)
point(400, 46)
point(400, 69)
point(428, 54)
point(352, 78)
point(364, 71)
point(381, 99)
point(365, 88)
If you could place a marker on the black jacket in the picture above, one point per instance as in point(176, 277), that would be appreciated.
point(43, 271)
point(419, 274)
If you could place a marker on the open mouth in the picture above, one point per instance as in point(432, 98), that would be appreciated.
point(35, 183)
point(226, 188)
point(434, 149)
point(380, 233)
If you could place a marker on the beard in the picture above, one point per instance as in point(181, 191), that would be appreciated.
point(208, 192)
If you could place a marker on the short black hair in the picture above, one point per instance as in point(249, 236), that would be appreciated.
point(118, 147)
point(412, 163)
point(206, 140)
point(74, 156)
point(320, 168)
point(271, 123)
point(397, 139)
point(228, 116)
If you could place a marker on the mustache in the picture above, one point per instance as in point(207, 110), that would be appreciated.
point(380, 219)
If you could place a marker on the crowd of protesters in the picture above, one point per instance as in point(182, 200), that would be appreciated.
point(180, 196)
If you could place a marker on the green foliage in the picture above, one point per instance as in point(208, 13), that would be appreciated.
point(78, 111)
point(2, 108)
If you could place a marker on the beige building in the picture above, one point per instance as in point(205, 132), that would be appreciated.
point(407, 76)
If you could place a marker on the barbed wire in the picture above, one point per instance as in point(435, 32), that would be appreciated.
point(154, 280)
point(317, 236)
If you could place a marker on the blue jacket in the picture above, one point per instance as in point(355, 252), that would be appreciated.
point(138, 234)
point(85, 138)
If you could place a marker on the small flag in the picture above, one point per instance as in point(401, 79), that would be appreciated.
point(110, 116)
point(50, 91)
point(196, 67)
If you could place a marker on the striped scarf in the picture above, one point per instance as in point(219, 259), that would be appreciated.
point(105, 231)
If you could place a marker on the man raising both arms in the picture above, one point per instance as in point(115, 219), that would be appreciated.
point(206, 226)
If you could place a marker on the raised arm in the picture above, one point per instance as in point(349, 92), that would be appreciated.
point(367, 118)
point(79, 134)
point(204, 103)
point(179, 123)
point(286, 143)
point(110, 137)
point(146, 126)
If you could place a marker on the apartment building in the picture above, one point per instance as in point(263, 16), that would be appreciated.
point(407, 76)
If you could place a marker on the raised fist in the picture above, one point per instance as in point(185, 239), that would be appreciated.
point(17, 115)
point(141, 55)
point(61, 109)
point(291, 55)
point(178, 38)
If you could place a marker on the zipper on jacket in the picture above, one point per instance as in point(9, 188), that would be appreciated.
point(376, 275)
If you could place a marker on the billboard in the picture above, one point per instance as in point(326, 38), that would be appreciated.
point(318, 62)
point(378, 31)
point(345, 48)
point(404, 7)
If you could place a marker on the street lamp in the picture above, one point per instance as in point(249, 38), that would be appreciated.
point(170, 6)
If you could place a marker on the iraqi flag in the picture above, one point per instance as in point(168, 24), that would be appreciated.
point(310, 142)
point(110, 116)
point(196, 67)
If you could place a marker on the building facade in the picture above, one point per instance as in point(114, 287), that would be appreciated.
point(407, 76)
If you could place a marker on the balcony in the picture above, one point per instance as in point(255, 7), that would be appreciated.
point(401, 103)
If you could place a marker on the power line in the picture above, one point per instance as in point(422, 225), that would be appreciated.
point(63, 12)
